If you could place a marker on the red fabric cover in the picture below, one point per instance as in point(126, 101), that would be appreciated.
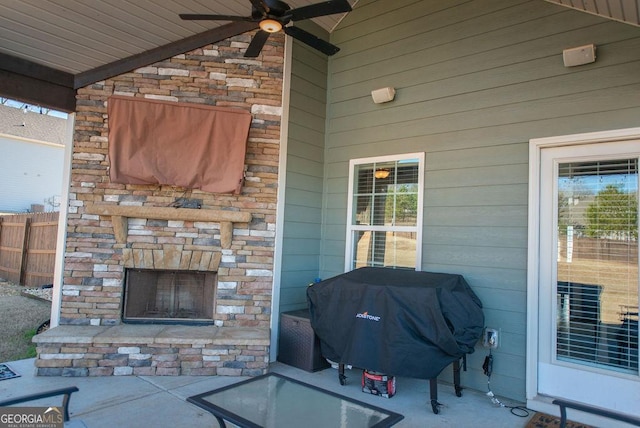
point(178, 144)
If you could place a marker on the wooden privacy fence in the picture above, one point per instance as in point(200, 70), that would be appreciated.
point(28, 248)
point(602, 249)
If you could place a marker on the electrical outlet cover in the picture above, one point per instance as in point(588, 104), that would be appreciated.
point(490, 338)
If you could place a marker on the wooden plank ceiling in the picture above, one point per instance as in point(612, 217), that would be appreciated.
point(49, 48)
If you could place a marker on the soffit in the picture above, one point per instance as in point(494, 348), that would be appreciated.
point(48, 48)
point(75, 36)
point(627, 11)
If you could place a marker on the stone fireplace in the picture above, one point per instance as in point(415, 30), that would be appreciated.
point(168, 271)
point(200, 278)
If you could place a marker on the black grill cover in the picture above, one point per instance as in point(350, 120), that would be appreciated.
point(398, 322)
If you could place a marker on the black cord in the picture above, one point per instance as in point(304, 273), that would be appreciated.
point(519, 411)
point(487, 367)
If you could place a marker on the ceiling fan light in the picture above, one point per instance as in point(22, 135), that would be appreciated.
point(270, 25)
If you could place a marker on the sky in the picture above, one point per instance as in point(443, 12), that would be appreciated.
point(37, 109)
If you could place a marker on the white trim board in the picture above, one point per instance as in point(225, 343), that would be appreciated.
point(534, 400)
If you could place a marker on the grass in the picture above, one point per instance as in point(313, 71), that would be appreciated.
point(31, 347)
point(19, 319)
point(18, 346)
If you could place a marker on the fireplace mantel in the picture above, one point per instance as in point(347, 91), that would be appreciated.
point(120, 215)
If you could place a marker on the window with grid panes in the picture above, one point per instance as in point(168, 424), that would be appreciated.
point(385, 215)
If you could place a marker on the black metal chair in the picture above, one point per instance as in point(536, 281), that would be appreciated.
point(65, 392)
point(564, 404)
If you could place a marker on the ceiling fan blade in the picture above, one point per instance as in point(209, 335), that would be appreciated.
point(256, 44)
point(204, 17)
point(320, 9)
point(311, 40)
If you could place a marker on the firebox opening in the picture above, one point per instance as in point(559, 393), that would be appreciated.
point(169, 296)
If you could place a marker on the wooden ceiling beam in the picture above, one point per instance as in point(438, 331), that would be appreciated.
point(37, 92)
point(37, 84)
point(25, 67)
point(160, 53)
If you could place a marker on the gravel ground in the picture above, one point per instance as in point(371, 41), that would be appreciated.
point(20, 313)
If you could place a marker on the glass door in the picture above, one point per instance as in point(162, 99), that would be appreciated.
point(589, 274)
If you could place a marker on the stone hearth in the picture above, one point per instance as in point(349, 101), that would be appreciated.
point(148, 350)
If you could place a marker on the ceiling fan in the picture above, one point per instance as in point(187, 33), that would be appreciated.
point(274, 15)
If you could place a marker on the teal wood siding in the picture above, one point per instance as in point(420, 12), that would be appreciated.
point(475, 81)
point(305, 171)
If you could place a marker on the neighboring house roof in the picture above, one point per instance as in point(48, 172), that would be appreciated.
point(32, 126)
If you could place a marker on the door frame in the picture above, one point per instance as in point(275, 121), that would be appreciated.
point(536, 401)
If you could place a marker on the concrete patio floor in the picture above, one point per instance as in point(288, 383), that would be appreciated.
point(160, 401)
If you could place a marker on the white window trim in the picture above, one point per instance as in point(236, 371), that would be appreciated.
point(536, 145)
point(350, 228)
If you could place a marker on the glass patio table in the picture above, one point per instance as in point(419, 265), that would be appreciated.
point(276, 401)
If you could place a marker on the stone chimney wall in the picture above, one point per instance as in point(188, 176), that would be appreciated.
point(95, 260)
